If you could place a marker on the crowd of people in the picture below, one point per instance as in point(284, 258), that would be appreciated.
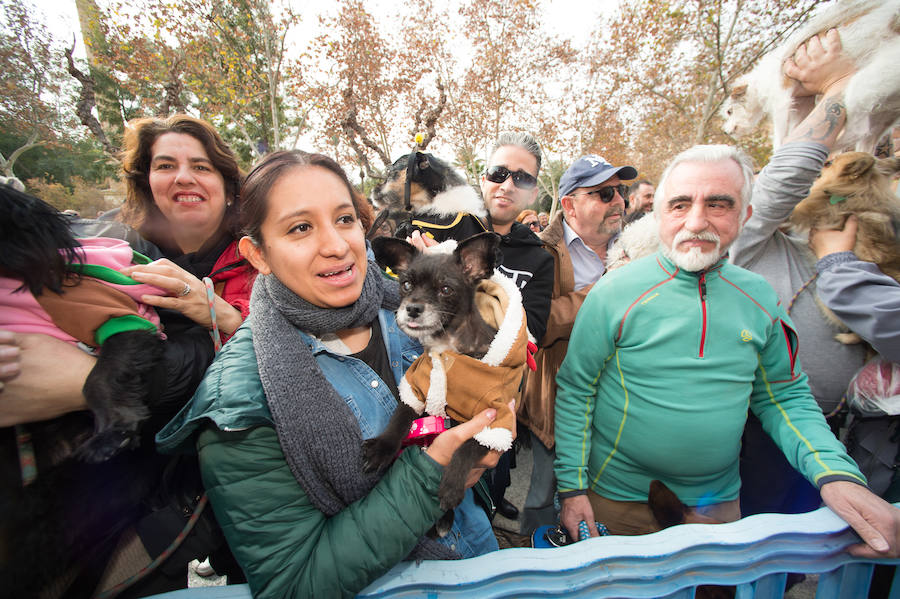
point(706, 365)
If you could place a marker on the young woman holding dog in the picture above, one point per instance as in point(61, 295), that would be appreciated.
point(284, 409)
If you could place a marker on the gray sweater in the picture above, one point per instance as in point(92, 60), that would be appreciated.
point(787, 263)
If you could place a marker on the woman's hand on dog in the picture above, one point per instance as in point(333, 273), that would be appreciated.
point(819, 66)
point(825, 242)
point(34, 386)
point(167, 275)
point(445, 444)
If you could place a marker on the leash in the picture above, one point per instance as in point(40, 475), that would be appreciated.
point(27, 461)
point(412, 168)
point(201, 503)
point(173, 546)
point(799, 291)
point(210, 302)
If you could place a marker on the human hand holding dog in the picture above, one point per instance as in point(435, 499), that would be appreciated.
point(445, 444)
point(824, 242)
point(819, 66)
point(34, 386)
point(421, 242)
point(874, 519)
point(167, 275)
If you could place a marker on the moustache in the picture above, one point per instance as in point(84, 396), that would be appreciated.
point(683, 235)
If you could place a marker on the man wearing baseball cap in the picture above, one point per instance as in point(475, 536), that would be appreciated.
point(592, 197)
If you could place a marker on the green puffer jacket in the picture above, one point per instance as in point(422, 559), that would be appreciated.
point(285, 545)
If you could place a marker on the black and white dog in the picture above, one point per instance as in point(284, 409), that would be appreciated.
point(424, 193)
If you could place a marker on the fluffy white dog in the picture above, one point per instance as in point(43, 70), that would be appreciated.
point(870, 35)
point(638, 239)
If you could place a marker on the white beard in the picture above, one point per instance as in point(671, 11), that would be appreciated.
point(695, 259)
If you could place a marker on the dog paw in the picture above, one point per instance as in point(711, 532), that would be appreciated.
point(848, 338)
point(450, 495)
point(105, 445)
point(442, 526)
point(378, 454)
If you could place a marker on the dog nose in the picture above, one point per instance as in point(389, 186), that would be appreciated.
point(414, 310)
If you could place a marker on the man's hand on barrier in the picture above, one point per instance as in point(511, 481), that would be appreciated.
point(874, 519)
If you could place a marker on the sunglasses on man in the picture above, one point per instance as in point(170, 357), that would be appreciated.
point(607, 194)
point(521, 179)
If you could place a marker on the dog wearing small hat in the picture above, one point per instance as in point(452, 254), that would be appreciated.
point(422, 192)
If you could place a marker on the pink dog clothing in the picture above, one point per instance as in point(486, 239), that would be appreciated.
point(102, 303)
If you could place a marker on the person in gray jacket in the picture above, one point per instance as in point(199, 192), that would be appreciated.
point(859, 294)
point(769, 484)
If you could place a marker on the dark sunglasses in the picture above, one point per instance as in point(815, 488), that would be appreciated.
point(607, 194)
point(521, 179)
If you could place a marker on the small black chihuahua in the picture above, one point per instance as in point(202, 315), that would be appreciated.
point(440, 307)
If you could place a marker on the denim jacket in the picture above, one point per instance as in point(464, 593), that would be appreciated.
point(232, 396)
point(368, 397)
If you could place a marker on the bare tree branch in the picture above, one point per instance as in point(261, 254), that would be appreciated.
point(352, 129)
point(431, 116)
point(7, 165)
point(87, 100)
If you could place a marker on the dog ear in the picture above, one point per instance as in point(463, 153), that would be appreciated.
point(888, 167)
point(665, 505)
point(422, 161)
point(739, 91)
point(478, 255)
point(858, 166)
point(393, 253)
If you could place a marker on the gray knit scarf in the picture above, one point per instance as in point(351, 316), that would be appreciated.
point(317, 430)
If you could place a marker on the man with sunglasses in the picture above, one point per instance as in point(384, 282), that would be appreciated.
point(593, 205)
point(509, 185)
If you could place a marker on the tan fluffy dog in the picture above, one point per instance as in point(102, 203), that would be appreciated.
point(857, 183)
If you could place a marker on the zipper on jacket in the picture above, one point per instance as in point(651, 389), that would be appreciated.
point(702, 285)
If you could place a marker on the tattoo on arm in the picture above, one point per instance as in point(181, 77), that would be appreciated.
point(825, 126)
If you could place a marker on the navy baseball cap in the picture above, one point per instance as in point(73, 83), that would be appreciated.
point(591, 170)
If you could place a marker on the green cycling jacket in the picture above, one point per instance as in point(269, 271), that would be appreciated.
point(661, 369)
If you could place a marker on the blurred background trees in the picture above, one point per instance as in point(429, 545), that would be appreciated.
point(359, 79)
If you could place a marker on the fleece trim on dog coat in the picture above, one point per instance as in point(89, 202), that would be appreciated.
point(458, 386)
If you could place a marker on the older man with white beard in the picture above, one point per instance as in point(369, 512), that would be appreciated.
point(666, 355)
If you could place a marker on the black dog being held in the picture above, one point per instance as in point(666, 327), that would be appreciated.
point(437, 308)
point(50, 522)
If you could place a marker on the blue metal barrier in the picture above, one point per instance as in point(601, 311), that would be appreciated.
point(753, 554)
